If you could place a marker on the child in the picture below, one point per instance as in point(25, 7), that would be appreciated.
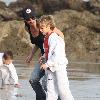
point(7, 69)
point(55, 67)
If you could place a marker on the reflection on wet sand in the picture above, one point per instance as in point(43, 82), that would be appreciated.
point(84, 77)
point(12, 93)
point(8, 92)
point(81, 71)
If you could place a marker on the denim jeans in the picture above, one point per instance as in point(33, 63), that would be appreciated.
point(36, 75)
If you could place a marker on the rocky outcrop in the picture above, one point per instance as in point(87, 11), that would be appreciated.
point(14, 37)
point(2, 4)
point(80, 27)
point(82, 34)
point(7, 14)
point(49, 6)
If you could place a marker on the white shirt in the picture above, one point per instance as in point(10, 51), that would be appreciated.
point(1, 55)
point(10, 67)
point(56, 53)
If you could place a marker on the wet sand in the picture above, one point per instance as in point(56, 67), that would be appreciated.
point(84, 81)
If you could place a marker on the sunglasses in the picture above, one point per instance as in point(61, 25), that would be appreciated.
point(33, 18)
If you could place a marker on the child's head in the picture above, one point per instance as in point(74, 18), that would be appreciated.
point(7, 57)
point(46, 23)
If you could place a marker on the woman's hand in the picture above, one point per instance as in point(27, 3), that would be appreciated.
point(42, 60)
point(43, 66)
point(56, 30)
point(29, 58)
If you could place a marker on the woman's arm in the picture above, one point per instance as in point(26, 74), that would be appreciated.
point(56, 30)
point(29, 58)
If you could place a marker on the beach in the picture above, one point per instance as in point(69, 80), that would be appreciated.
point(84, 79)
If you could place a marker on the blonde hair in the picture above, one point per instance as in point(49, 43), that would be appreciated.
point(47, 20)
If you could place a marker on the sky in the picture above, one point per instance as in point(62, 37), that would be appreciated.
point(8, 1)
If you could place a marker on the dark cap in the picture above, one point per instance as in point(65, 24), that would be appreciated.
point(28, 13)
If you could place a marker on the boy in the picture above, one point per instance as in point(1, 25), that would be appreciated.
point(55, 67)
point(7, 69)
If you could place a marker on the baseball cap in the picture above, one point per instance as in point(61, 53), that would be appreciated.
point(28, 13)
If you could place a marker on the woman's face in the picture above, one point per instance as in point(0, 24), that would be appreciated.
point(31, 22)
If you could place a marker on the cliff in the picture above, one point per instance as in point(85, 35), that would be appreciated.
point(81, 27)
